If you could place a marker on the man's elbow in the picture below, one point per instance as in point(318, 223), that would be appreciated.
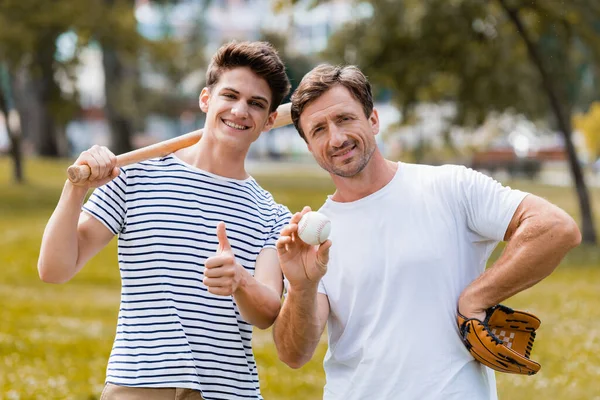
point(570, 233)
point(292, 361)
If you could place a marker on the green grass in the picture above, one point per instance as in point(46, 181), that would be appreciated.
point(55, 339)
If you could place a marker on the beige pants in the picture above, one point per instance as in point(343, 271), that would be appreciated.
point(114, 392)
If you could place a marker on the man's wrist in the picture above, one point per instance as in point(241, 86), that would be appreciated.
point(309, 288)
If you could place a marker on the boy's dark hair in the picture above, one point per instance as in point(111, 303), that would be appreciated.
point(260, 57)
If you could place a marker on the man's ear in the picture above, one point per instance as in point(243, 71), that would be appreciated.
point(203, 100)
point(270, 121)
point(374, 121)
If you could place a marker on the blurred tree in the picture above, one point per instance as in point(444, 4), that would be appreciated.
point(14, 134)
point(483, 57)
point(297, 65)
point(589, 125)
point(29, 30)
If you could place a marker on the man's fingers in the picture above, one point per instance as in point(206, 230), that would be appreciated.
point(323, 254)
point(289, 229)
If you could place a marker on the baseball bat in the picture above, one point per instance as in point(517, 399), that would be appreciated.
point(79, 173)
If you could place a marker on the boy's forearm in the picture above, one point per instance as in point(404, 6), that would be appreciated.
point(259, 304)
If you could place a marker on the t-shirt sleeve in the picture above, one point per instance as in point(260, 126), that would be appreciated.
point(487, 205)
point(321, 288)
point(107, 204)
point(282, 219)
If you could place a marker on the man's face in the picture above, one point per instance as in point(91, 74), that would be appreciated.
point(340, 137)
point(237, 107)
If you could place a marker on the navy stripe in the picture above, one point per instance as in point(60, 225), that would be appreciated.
point(206, 218)
point(102, 219)
point(108, 213)
point(230, 230)
point(253, 381)
point(104, 190)
point(249, 187)
point(252, 206)
point(237, 251)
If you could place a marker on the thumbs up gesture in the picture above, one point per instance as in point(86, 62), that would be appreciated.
point(222, 273)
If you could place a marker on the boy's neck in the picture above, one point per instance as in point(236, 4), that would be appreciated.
point(220, 160)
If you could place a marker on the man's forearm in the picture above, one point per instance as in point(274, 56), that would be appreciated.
point(534, 251)
point(59, 250)
point(259, 305)
point(298, 330)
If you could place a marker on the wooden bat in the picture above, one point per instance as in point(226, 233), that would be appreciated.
point(79, 173)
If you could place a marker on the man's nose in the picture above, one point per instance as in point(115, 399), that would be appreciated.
point(337, 136)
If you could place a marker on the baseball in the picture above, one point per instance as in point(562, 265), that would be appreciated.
point(314, 228)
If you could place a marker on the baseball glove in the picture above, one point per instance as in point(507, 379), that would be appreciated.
point(503, 341)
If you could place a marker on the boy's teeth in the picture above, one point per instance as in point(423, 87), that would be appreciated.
point(236, 126)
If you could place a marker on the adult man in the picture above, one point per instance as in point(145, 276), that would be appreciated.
point(189, 298)
point(410, 244)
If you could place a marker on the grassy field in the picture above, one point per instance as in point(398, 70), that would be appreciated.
point(55, 339)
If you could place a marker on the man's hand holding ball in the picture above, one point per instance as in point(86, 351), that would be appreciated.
point(303, 249)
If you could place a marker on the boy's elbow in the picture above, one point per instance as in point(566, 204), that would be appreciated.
point(47, 276)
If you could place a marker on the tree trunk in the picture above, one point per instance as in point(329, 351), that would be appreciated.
point(15, 140)
point(564, 124)
point(115, 74)
point(46, 90)
point(34, 92)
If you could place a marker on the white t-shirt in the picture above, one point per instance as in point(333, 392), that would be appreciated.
point(399, 261)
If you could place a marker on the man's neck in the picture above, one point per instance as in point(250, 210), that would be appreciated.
point(208, 155)
point(378, 173)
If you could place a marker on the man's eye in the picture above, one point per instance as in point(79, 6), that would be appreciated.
point(229, 95)
point(257, 104)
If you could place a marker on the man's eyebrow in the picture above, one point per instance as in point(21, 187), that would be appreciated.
point(318, 124)
point(253, 97)
point(345, 114)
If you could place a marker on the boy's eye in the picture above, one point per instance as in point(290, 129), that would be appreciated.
point(257, 104)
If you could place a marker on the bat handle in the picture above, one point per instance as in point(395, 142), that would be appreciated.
point(78, 173)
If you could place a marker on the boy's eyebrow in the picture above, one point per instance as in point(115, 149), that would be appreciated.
point(253, 97)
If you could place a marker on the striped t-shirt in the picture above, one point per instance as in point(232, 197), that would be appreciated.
point(171, 331)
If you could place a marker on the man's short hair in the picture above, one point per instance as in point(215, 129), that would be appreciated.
point(324, 77)
point(260, 57)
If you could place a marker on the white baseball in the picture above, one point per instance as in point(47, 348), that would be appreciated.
point(314, 228)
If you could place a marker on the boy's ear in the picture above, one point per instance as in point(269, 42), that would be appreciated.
point(270, 121)
point(203, 100)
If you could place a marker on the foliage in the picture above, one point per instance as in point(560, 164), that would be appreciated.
point(55, 339)
point(466, 51)
point(589, 124)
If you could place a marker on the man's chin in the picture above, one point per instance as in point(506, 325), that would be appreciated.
point(345, 171)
